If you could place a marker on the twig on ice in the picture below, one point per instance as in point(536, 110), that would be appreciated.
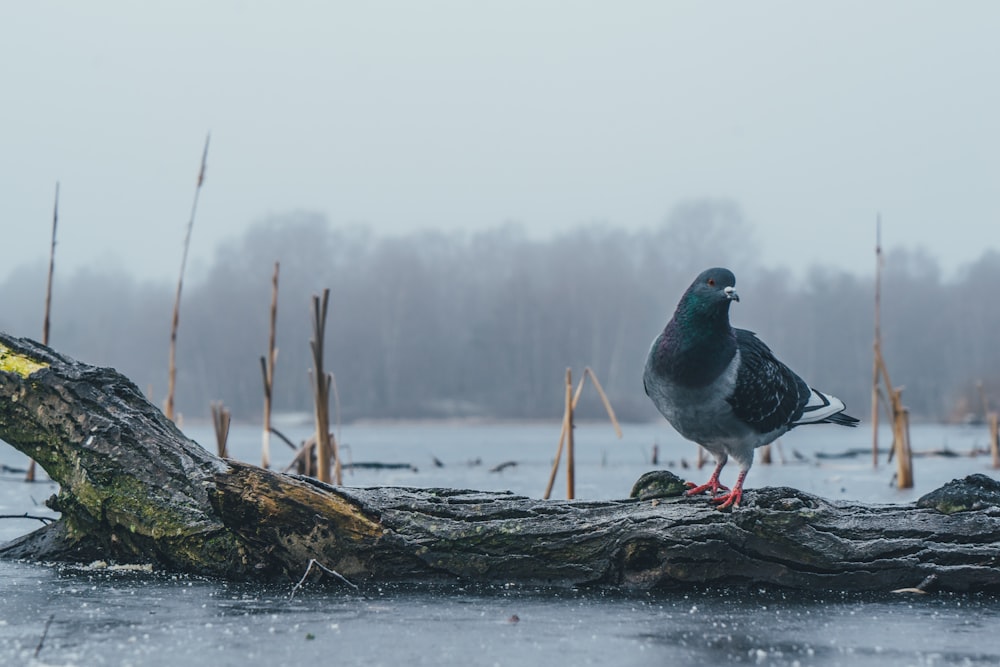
point(45, 633)
point(313, 561)
point(43, 519)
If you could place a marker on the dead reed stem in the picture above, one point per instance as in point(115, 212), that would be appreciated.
point(326, 447)
point(30, 475)
point(877, 345)
point(172, 369)
point(336, 416)
point(568, 426)
point(765, 455)
point(304, 461)
point(899, 415)
point(562, 442)
point(877, 353)
point(284, 438)
point(221, 419)
point(900, 434)
point(588, 372)
point(267, 369)
point(52, 268)
point(995, 438)
point(901, 442)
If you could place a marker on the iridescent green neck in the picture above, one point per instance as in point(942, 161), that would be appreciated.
point(697, 344)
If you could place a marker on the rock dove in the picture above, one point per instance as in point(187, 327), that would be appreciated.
point(723, 388)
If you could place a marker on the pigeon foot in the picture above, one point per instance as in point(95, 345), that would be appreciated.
point(712, 485)
point(731, 499)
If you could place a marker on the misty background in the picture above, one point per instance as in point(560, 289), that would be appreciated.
point(458, 117)
point(483, 324)
point(494, 191)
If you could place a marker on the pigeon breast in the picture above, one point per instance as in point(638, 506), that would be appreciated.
point(699, 413)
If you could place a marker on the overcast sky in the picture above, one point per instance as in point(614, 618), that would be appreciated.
point(462, 115)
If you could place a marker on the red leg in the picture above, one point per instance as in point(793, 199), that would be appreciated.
point(733, 498)
point(712, 485)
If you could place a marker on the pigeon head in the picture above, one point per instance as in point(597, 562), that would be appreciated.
point(710, 294)
point(698, 343)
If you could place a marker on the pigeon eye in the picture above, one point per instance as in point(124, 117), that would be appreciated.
point(711, 282)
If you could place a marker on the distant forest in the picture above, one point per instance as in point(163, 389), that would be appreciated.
point(485, 324)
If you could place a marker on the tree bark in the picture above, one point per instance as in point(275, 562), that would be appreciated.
point(135, 489)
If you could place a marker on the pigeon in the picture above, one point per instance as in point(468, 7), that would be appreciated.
point(723, 388)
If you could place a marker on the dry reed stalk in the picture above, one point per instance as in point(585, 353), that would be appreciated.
point(899, 415)
point(901, 439)
point(267, 369)
point(568, 427)
point(303, 460)
point(284, 439)
point(221, 419)
point(765, 455)
point(326, 447)
point(588, 372)
point(335, 437)
point(904, 458)
point(30, 475)
point(772, 451)
point(172, 368)
point(995, 438)
point(877, 345)
point(877, 354)
point(562, 442)
point(900, 429)
point(52, 268)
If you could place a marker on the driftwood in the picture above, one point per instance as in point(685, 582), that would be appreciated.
point(134, 489)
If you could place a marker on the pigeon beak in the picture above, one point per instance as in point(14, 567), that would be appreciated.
point(731, 294)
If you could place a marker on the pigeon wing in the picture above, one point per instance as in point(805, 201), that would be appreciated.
point(768, 395)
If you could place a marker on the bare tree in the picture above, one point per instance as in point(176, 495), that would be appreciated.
point(480, 324)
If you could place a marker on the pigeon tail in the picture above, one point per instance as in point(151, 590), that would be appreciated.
point(843, 420)
point(824, 409)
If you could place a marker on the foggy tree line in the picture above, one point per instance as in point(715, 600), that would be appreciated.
point(484, 324)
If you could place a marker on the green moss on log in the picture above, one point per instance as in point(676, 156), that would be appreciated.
point(974, 492)
point(12, 362)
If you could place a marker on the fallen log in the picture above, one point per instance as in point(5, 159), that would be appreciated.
point(134, 489)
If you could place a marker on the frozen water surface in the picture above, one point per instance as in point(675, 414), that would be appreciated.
point(114, 617)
